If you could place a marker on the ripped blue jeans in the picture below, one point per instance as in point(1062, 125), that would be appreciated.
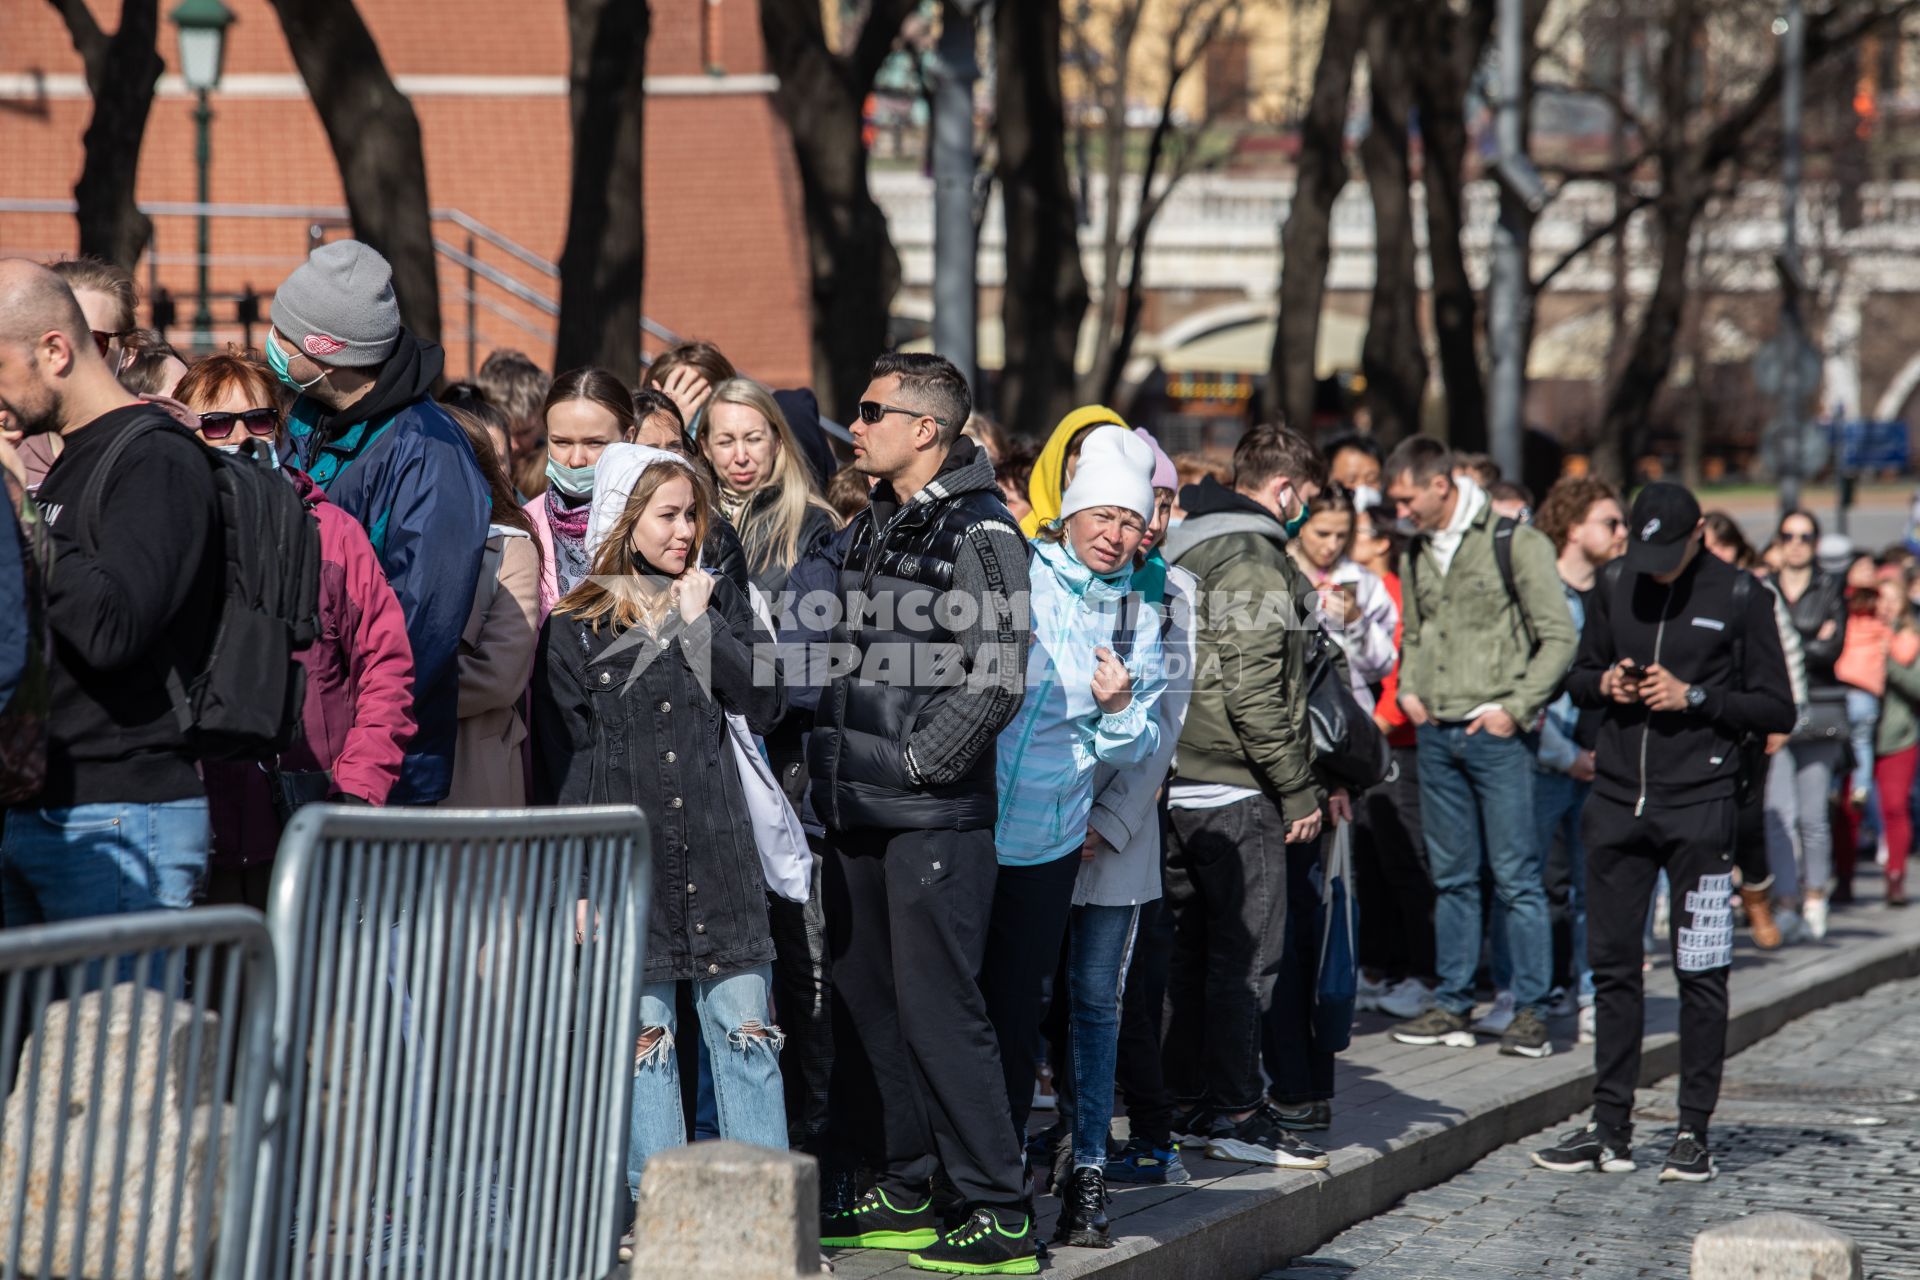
point(743, 1051)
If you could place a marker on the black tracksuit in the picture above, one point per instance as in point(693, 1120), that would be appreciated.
point(1663, 796)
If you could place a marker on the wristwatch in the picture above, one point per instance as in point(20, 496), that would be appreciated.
point(1696, 697)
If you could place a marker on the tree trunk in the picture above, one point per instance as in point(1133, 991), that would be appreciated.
point(1393, 360)
point(376, 145)
point(1045, 299)
point(1306, 242)
point(122, 70)
point(603, 264)
point(1111, 95)
point(850, 253)
point(1451, 45)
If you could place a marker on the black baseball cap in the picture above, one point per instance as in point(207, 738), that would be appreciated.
point(1664, 518)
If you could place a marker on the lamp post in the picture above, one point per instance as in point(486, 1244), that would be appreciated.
point(203, 39)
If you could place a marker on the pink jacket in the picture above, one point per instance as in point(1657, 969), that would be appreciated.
point(358, 714)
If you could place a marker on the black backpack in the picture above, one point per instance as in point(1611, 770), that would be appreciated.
point(245, 703)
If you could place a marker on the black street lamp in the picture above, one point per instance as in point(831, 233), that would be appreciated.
point(203, 39)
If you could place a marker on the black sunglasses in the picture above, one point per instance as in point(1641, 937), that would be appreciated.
point(872, 411)
point(1795, 537)
point(258, 422)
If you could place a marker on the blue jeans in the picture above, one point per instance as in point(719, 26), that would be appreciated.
point(743, 1048)
point(1558, 801)
point(1476, 808)
point(1099, 942)
point(1863, 717)
point(101, 860)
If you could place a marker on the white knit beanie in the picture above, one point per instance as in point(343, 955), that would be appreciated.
point(1115, 470)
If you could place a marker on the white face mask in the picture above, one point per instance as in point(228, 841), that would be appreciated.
point(273, 451)
point(1366, 497)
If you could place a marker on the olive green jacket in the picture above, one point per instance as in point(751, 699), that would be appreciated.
point(1247, 722)
point(1898, 728)
point(1463, 642)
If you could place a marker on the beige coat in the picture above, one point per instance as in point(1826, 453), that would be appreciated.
point(496, 661)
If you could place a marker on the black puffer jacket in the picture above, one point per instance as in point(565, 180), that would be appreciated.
point(1824, 601)
point(623, 718)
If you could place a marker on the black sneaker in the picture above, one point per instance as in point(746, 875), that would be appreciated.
point(983, 1246)
point(1592, 1148)
point(1083, 1211)
point(1527, 1037)
point(1259, 1139)
point(1196, 1128)
point(876, 1222)
point(1689, 1160)
point(1307, 1117)
point(1437, 1026)
point(1140, 1163)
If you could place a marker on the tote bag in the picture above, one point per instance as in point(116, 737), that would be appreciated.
point(1336, 983)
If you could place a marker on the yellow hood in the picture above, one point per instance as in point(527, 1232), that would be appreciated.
point(1048, 484)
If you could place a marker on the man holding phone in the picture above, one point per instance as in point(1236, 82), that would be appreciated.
point(1681, 655)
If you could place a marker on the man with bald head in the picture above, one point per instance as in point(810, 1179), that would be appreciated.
point(121, 824)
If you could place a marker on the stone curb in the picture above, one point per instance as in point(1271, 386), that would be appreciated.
point(1260, 1221)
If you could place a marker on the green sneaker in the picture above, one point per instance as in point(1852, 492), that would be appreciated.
point(875, 1222)
point(982, 1246)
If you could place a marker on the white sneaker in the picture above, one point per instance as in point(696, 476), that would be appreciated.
point(1496, 1020)
point(1588, 1025)
point(1409, 999)
point(1814, 912)
point(1369, 994)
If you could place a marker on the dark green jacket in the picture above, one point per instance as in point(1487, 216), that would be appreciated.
point(1463, 643)
point(1247, 722)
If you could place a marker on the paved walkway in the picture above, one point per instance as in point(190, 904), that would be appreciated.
point(1407, 1118)
point(1822, 1119)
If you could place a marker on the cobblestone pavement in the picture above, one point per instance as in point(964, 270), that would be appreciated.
point(1821, 1118)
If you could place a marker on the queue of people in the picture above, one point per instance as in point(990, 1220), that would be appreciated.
point(1037, 727)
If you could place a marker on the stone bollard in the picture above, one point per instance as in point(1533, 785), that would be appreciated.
point(1775, 1246)
point(727, 1209)
point(180, 1134)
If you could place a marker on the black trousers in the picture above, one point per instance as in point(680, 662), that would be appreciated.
point(907, 928)
point(803, 1000)
point(1031, 907)
point(1625, 854)
point(1393, 886)
point(1300, 1069)
point(1139, 1079)
point(1226, 878)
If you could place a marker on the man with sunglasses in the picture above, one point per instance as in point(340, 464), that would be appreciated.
point(902, 759)
point(121, 822)
point(367, 429)
point(1583, 518)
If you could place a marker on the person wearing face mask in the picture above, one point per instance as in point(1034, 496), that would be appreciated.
point(1486, 637)
point(636, 665)
point(766, 490)
point(587, 410)
point(357, 716)
point(1243, 798)
point(1094, 676)
point(1353, 463)
point(367, 430)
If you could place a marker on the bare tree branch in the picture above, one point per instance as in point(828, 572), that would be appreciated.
point(1593, 237)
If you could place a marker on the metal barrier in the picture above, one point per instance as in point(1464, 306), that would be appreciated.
point(136, 1051)
point(458, 1005)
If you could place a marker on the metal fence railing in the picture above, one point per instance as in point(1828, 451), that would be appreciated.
point(135, 1052)
point(457, 1011)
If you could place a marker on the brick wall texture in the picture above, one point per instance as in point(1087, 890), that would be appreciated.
point(726, 253)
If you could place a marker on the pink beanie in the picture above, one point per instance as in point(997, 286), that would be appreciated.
point(1164, 474)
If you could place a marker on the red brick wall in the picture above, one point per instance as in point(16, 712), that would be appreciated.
point(726, 256)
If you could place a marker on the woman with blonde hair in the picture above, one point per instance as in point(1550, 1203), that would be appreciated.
point(765, 487)
point(637, 664)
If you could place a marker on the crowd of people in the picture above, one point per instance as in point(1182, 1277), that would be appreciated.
point(980, 780)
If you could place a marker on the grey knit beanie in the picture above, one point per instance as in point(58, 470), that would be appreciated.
point(338, 306)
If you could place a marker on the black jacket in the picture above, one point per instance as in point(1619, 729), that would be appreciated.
point(622, 718)
point(723, 554)
point(1671, 758)
point(1824, 601)
point(905, 740)
point(122, 618)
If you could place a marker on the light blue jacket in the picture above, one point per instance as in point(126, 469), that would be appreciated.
point(1046, 757)
point(1558, 750)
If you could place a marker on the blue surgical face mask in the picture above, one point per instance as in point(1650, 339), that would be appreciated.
point(574, 482)
point(1299, 522)
point(281, 364)
point(273, 450)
